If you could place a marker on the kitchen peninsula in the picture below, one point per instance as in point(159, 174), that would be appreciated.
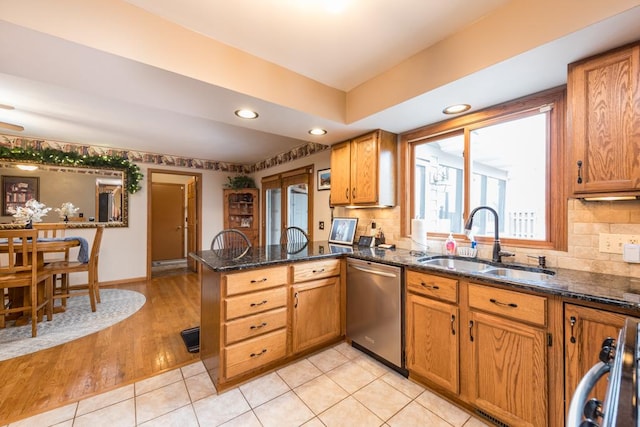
point(271, 307)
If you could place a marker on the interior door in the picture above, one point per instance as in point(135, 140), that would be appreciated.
point(167, 232)
point(192, 220)
point(288, 201)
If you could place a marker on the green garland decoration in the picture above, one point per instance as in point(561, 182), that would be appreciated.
point(51, 156)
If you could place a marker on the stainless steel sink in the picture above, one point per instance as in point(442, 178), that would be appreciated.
point(456, 264)
point(468, 266)
point(513, 273)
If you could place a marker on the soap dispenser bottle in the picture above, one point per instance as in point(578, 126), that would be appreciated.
point(450, 245)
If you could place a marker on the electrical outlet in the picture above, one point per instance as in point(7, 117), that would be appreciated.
point(321, 225)
point(613, 243)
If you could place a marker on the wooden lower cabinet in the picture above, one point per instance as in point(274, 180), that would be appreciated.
point(432, 341)
point(508, 372)
point(585, 328)
point(316, 313)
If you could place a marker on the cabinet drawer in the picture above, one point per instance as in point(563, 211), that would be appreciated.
point(516, 305)
point(315, 270)
point(254, 280)
point(433, 286)
point(255, 325)
point(255, 302)
point(253, 353)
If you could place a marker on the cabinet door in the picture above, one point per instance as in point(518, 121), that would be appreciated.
point(316, 313)
point(509, 369)
point(432, 341)
point(584, 330)
point(341, 174)
point(604, 122)
point(364, 169)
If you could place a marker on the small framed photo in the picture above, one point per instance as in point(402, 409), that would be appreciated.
point(343, 230)
point(17, 190)
point(324, 179)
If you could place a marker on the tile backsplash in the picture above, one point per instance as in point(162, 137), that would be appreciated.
point(586, 220)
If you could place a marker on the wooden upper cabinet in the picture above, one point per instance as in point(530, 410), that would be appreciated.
point(604, 123)
point(363, 170)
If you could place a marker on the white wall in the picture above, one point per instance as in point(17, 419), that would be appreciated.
point(124, 250)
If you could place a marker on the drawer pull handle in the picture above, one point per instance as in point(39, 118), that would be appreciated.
point(504, 304)
point(255, 304)
point(579, 171)
point(264, 350)
point(424, 285)
point(262, 325)
point(264, 279)
point(453, 321)
point(471, 330)
point(572, 321)
point(319, 271)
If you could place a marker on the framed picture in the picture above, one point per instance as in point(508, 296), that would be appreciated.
point(343, 230)
point(324, 179)
point(17, 190)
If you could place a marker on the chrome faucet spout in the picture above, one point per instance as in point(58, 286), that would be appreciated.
point(497, 253)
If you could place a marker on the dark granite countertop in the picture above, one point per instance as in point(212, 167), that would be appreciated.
point(594, 287)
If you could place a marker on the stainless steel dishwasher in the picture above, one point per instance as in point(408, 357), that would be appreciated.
point(374, 311)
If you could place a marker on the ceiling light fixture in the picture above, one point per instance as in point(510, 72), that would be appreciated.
point(317, 131)
point(11, 127)
point(456, 109)
point(27, 167)
point(246, 114)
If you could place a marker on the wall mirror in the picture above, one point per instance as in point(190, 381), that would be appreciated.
point(100, 194)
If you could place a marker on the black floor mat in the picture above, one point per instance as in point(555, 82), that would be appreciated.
point(191, 338)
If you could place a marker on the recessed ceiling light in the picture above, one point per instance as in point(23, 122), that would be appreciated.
point(456, 109)
point(246, 114)
point(317, 131)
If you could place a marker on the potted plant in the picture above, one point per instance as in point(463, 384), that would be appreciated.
point(240, 181)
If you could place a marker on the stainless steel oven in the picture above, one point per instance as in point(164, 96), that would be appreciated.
point(619, 359)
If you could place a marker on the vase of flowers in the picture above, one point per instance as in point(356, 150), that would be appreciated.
point(31, 212)
point(66, 210)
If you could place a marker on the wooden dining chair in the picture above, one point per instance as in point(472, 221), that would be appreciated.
point(230, 244)
point(19, 272)
point(54, 231)
point(92, 288)
point(294, 239)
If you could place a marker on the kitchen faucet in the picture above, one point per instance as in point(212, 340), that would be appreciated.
point(497, 253)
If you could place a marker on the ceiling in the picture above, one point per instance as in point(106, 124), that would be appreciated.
point(68, 84)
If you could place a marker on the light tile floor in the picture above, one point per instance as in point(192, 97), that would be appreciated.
point(339, 386)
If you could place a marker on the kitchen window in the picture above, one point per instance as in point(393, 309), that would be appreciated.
point(508, 157)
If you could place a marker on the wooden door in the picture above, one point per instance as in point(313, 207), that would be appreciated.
point(584, 331)
point(341, 174)
point(509, 369)
point(364, 169)
point(604, 122)
point(192, 221)
point(432, 341)
point(167, 230)
point(316, 312)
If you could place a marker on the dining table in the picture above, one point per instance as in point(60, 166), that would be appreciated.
point(47, 245)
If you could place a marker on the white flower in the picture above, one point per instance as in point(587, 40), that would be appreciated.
point(31, 211)
point(67, 209)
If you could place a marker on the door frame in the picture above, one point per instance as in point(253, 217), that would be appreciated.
point(198, 178)
point(278, 180)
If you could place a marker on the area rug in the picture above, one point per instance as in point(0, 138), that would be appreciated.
point(77, 321)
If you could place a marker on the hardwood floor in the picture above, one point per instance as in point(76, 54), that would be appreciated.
point(141, 346)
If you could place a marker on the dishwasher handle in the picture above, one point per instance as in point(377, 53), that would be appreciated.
point(378, 272)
